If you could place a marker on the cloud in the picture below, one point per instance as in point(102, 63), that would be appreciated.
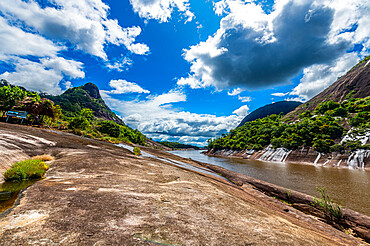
point(235, 92)
point(70, 68)
point(156, 117)
point(84, 24)
point(122, 87)
point(190, 81)
point(279, 94)
point(44, 75)
point(15, 41)
point(316, 78)
point(253, 50)
point(67, 85)
point(45, 70)
point(32, 39)
point(120, 64)
point(161, 10)
point(34, 76)
point(296, 99)
point(242, 111)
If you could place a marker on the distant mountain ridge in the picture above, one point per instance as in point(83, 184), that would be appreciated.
point(86, 96)
point(176, 145)
point(269, 109)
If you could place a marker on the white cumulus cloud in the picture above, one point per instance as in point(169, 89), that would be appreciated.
point(244, 99)
point(316, 78)
point(253, 49)
point(235, 92)
point(161, 10)
point(72, 69)
point(122, 86)
point(84, 23)
point(242, 111)
point(15, 41)
point(34, 76)
point(156, 117)
point(279, 94)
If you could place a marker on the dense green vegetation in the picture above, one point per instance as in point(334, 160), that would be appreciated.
point(28, 169)
point(176, 145)
point(323, 130)
point(39, 109)
point(80, 121)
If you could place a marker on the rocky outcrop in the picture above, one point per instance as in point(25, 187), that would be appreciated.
point(355, 82)
point(86, 96)
point(358, 222)
point(97, 193)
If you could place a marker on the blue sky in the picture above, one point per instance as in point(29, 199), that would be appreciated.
point(183, 70)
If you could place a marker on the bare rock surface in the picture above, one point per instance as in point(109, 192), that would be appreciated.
point(99, 194)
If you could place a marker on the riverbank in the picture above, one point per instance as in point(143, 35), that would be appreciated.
point(353, 220)
point(98, 193)
point(356, 159)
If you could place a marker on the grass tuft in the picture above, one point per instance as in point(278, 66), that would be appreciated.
point(331, 210)
point(28, 169)
point(137, 151)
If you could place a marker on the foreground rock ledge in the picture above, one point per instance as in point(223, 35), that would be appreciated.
point(99, 194)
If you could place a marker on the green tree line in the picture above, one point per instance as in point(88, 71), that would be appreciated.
point(321, 129)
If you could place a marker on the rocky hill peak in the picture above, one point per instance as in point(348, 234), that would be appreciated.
point(92, 90)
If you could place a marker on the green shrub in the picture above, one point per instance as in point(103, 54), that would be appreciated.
point(109, 127)
point(337, 148)
point(328, 206)
point(306, 114)
point(322, 145)
point(353, 144)
point(79, 123)
point(360, 118)
point(342, 112)
point(28, 169)
point(137, 151)
point(325, 106)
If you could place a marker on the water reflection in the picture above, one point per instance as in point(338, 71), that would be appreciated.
point(350, 187)
point(9, 192)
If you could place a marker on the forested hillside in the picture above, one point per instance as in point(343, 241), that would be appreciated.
point(73, 100)
point(176, 145)
point(77, 114)
point(320, 123)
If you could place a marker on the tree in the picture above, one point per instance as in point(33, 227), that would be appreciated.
point(10, 96)
point(79, 123)
point(109, 127)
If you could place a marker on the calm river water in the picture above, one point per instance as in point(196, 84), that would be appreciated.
point(346, 186)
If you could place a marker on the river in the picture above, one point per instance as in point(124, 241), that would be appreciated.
point(349, 187)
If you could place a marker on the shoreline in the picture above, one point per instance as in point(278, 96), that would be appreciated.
point(98, 192)
point(357, 221)
point(314, 158)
